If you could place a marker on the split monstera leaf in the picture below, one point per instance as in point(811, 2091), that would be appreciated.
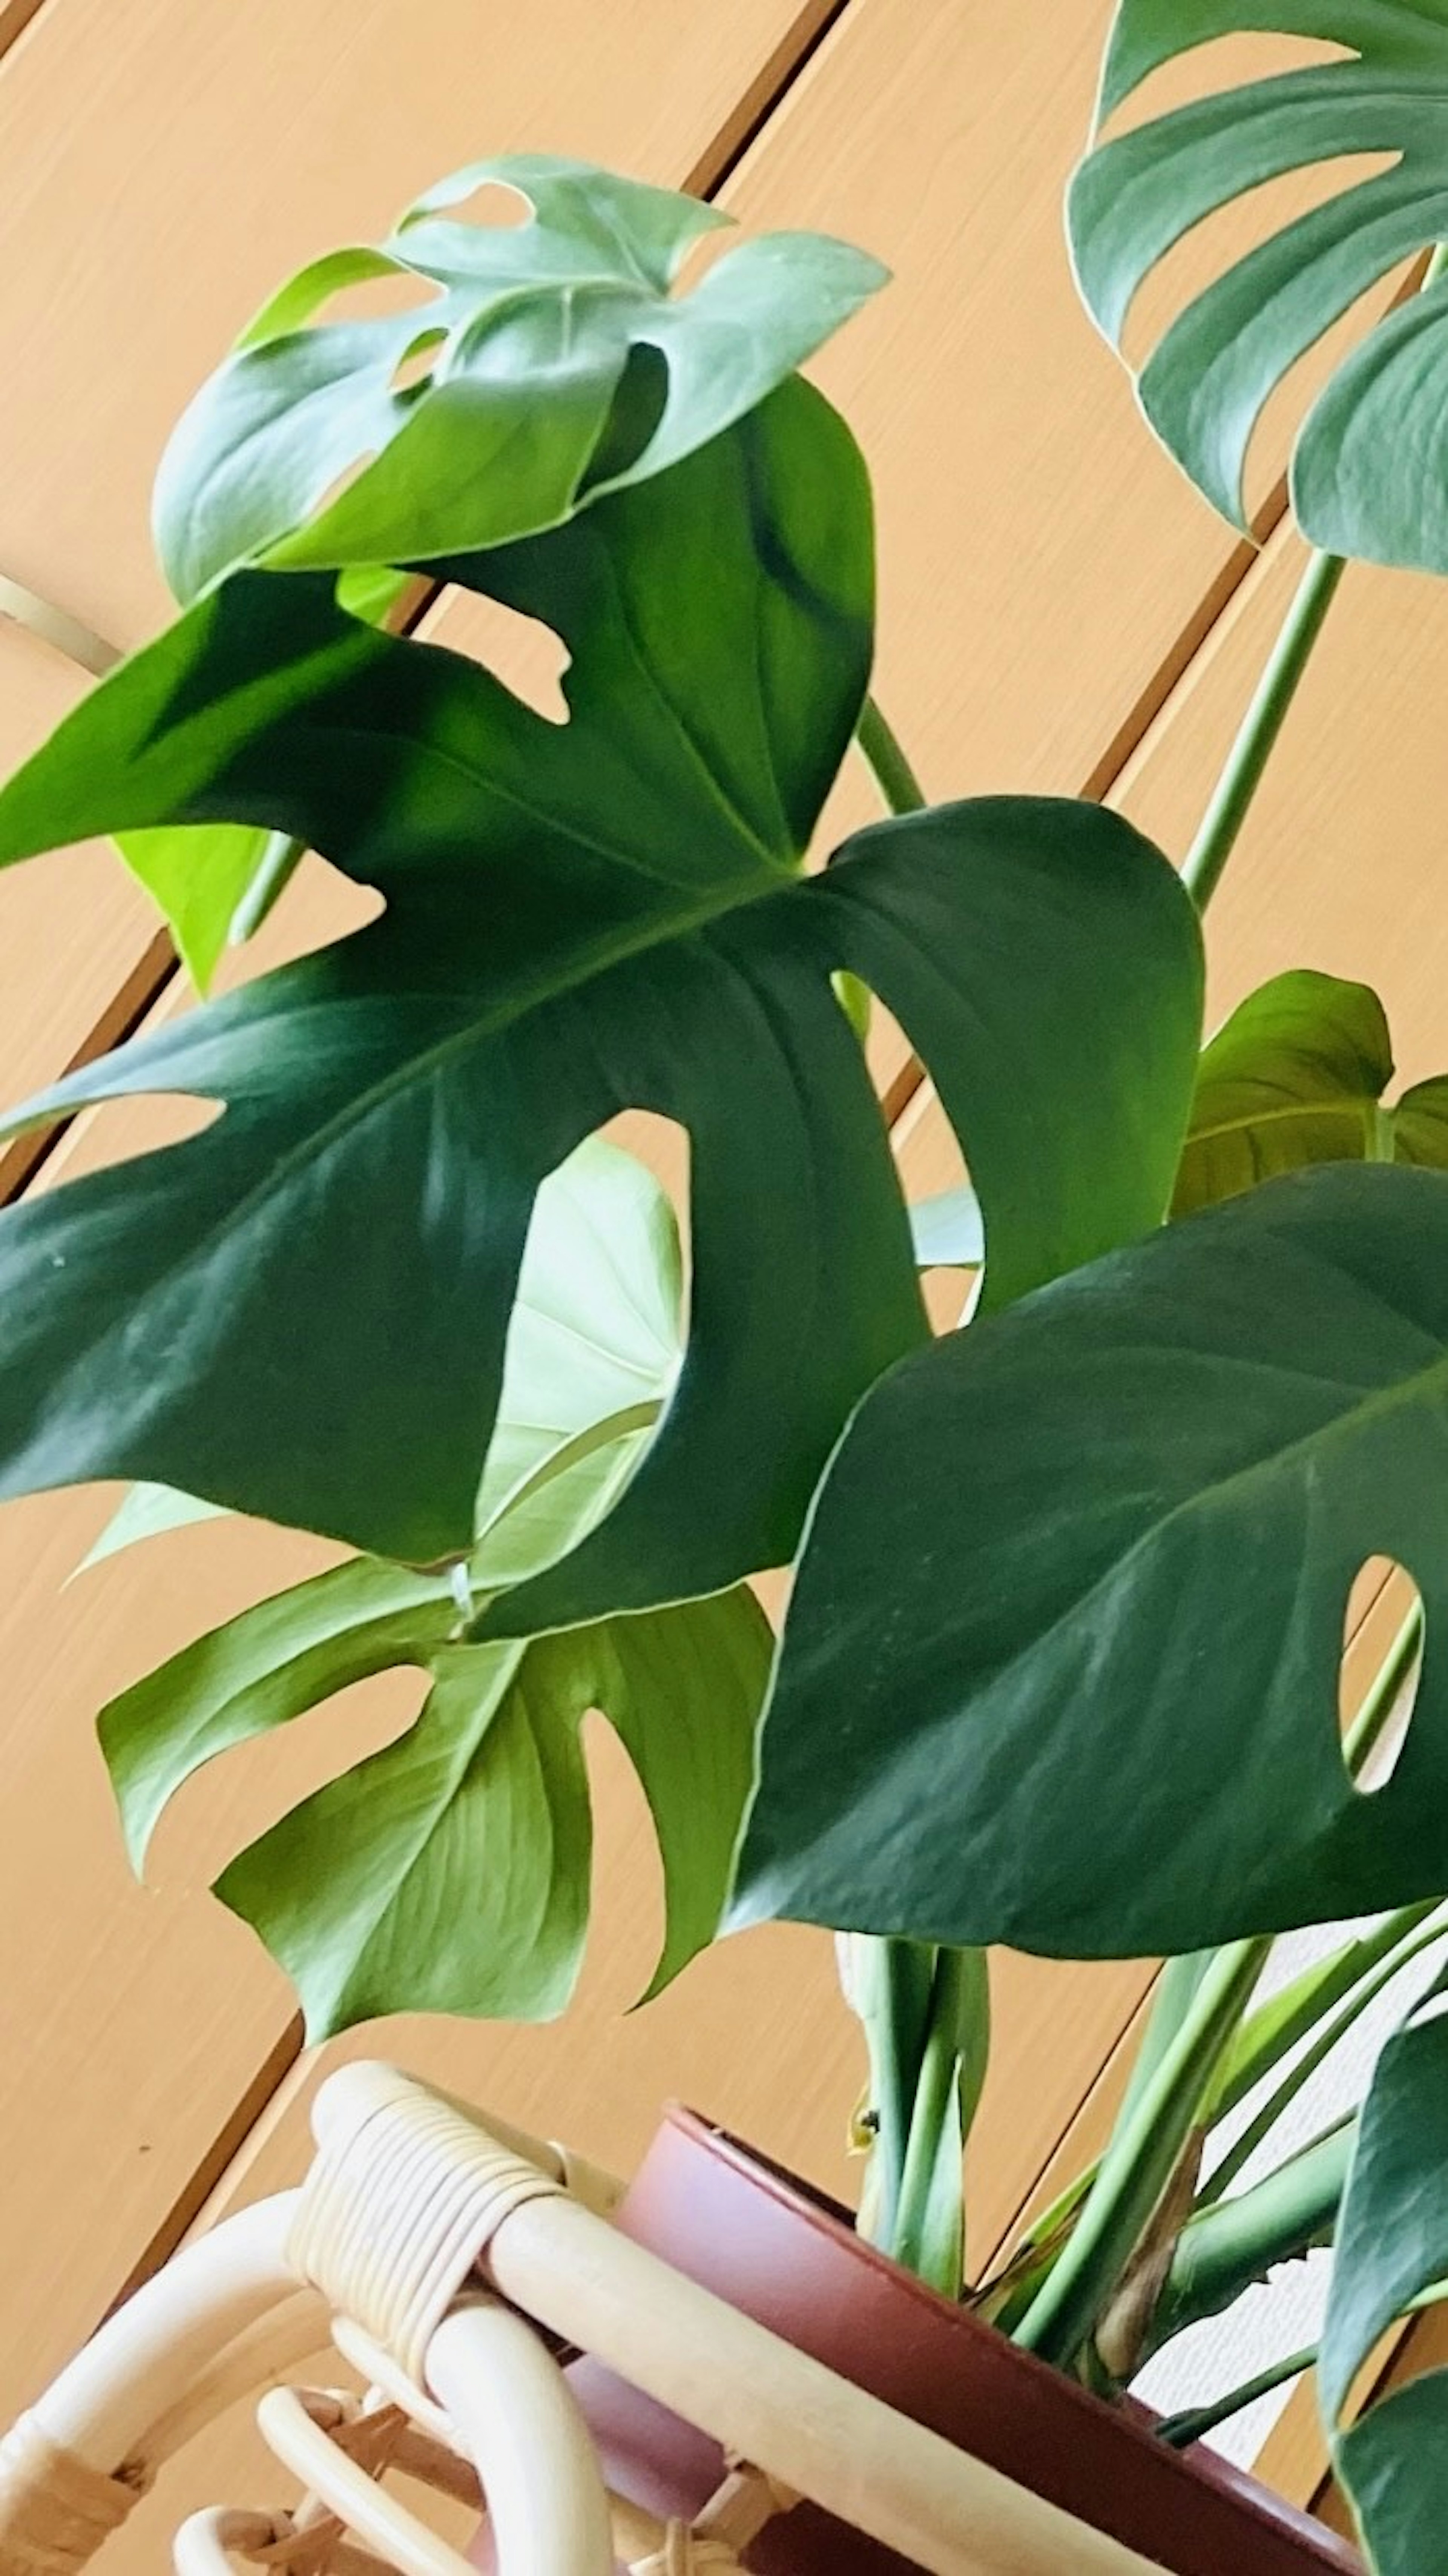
point(457, 1859)
point(301, 1312)
point(1368, 469)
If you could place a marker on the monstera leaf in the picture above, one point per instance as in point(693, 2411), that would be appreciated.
point(1391, 2256)
point(1075, 1585)
point(301, 1311)
point(1297, 1076)
point(450, 1871)
point(457, 1860)
point(537, 364)
point(1368, 472)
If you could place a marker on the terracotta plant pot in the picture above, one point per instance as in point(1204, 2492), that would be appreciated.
point(791, 2260)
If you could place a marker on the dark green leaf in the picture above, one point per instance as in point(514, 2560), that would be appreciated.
point(1368, 471)
point(301, 1312)
point(592, 1354)
point(555, 364)
point(1076, 1689)
point(1392, 2248)
point(204, 877)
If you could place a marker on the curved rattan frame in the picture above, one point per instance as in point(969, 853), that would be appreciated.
point(438, 2247)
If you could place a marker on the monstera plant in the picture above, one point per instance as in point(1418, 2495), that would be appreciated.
point(402, 1293)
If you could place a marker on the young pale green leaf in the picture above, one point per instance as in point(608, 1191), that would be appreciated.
point(1125, 1520)
point(1297, 1076)
point(301, 1312)
point(1392, 2247)
point(592, 1353)
point(147, 1511)
point(1367, 472)
point(534, 365)
point(196, 877)
point(450, 1872)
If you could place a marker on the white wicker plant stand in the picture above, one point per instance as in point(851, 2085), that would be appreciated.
point(453, 2258)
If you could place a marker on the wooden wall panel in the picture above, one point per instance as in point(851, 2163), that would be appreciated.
point(1046, 577)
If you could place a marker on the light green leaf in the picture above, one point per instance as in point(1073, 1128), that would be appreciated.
point(1297, 1076)
point(537, 365)
point(301, 1312)
point(1392, 2247)
point(147, 1511)
point(196, 877)
point(1368, 472)
point(450, 1872)
point(1125, 1522)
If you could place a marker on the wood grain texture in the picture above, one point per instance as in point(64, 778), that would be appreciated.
point(1045, 577)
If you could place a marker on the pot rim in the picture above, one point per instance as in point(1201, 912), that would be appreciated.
point(1130, 2422)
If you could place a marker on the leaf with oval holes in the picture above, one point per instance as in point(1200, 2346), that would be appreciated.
point(1391, 2256)
point(1297, 1076)
point(1076, 1687)
point(301, 1312)
point(1368, 470)
point(558, 363)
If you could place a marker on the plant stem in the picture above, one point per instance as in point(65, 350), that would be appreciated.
point(883, 750)
point(1224, 2249)
point(1329, 2033)
point(277, 866)
point(1140, 2162)
point(1384, 1692)
point(929, 2233)
point(1193, 2425)
point(1232, 797)
point(1263, 722)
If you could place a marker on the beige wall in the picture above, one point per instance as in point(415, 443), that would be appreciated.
point(1059, 613)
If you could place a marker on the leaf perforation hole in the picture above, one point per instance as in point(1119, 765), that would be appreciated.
point(124, 1131)
point(379, 299)
point(932, 1170)
point(342, 481)
point(529, 658)
point(254, 1785)
point(1217, 67)
point(662, 1146)
point(626, 1902)
point(414, 367)
point(493, 206)
point(1380, 1672)
point(634, 415)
